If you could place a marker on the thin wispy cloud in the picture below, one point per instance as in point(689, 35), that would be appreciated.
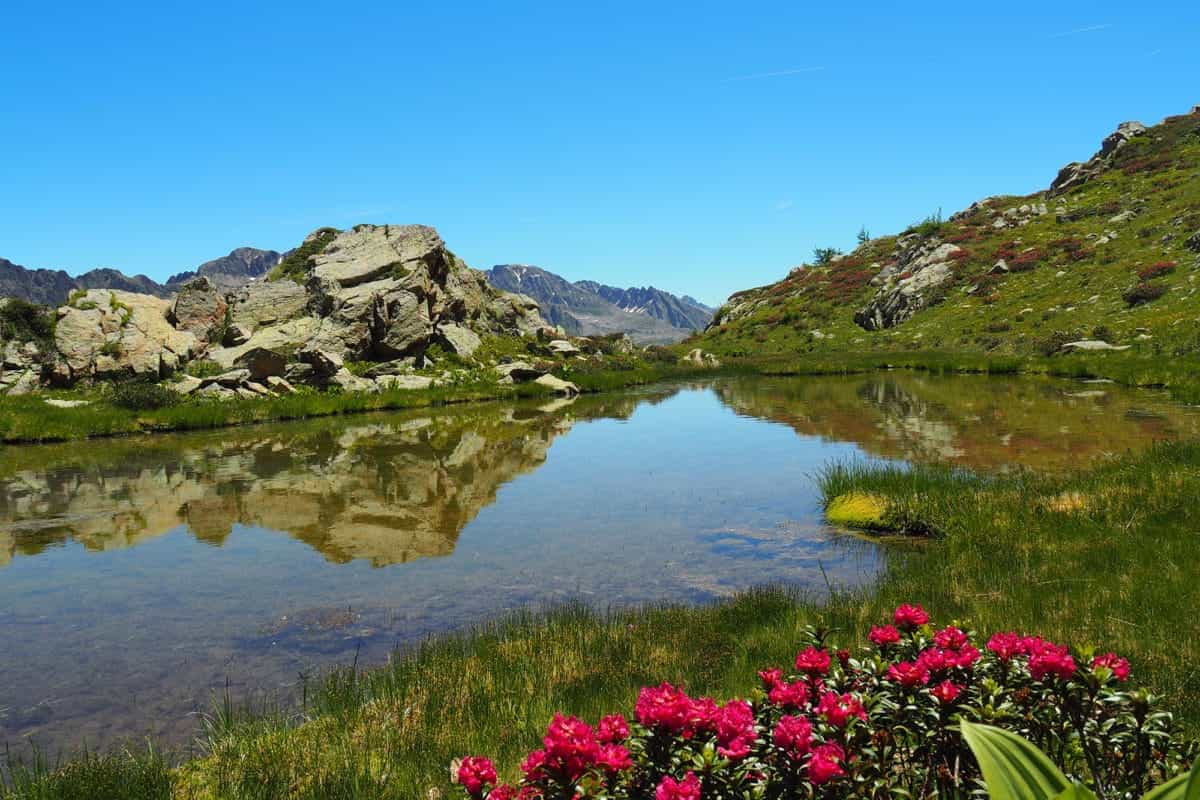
point(779, 74)
point(1077, 31)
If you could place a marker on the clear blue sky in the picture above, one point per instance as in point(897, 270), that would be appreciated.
point(700, 147)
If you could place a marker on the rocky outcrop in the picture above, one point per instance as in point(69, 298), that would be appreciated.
point(1077, 174)
point(377, 293)
point(199, 308)
point(109, 334)
point(915, 281)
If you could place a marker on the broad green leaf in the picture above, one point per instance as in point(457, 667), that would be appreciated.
point(1013, 768)
point(1185, 787)
point(1077, 792)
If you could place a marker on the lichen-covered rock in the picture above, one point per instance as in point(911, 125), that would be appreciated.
point(914, 282)
point(1077, 174)
point(199, 308)
point(110, 334)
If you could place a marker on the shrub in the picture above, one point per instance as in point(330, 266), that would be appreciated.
point(1102, 333)
point(1156, 270)
point(929, 226)
point(1051, 344)
point(142, 395)
point(882, 722)
point(204, 368)
point(295, 265)
point(1144, 293)
point(23, 321)
point(112, 349)
point(824, 256)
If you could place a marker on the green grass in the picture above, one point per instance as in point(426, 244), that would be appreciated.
point(1102, 557)
point(1068, 276)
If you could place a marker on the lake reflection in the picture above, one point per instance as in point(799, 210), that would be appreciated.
point(141, 575)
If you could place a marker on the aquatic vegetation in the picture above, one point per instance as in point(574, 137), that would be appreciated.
point(876, 722)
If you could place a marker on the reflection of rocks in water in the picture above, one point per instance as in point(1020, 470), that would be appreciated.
point(978, 421)
point(391, 490)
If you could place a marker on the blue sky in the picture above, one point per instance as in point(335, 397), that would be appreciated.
point(699, 147)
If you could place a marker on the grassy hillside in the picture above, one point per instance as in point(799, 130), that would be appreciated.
point(1113, 259)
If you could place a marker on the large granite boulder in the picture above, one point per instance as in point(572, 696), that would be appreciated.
point(199, 308)
point(107, 333)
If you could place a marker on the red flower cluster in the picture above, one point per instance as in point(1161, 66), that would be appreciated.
point(812, 727)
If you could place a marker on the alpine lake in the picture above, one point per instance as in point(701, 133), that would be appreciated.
point(142, 578)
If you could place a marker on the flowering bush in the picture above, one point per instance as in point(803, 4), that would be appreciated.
point(1156, 270)
point(882, 722)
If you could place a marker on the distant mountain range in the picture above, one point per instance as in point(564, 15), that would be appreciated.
point(52, 287)
point(584, 308)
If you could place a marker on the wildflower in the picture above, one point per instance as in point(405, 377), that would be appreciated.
point(476, 772)
point(789, 695)
point(612, 729)
point(909, 618)
point(950, 638)
point(826, 763)
point(571, 745)
point(908, 674)
point(1007, 645)
point(838, 709)
point(1051, 660)
point(813, 662)
point(770, 678)
point(1117, 665)
point(946, 692)
point(793, 735)
point(664, 707)
point(735, 729)
point(534, 765)
point(883, 635)
point(613, 758)
point(686, 789)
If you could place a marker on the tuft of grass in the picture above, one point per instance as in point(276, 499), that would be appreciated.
point(295, 265)
point(124, 775)
point(858, 510)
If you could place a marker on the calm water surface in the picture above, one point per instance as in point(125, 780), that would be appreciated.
point(140, 576)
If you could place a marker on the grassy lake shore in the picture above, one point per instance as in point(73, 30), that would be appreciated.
point(1098, 557)
point(28, 419)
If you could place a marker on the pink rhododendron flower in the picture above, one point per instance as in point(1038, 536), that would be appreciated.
point(1118, 665)
point(533, 765)
point(1007, 646)
point(950, 638)
point(571, 745)
point(946, 692)
point(503, 792)
point(665, 707)
point(794, 735)
point(1051, 660)
point(826, 763)
point(813, 662)
point(476, 772)
point(789, 695)
point(908, 674)
point(843, 656)
point(613, 758)
point(686, 789)
point(735, 729)
point(770, 678)
point(884, 635)
point(838, 709)
point(909, 617)
point(612, 729)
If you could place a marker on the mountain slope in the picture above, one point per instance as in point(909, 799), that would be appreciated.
point(585, 308)
point(52, 287)
point(1110, 253)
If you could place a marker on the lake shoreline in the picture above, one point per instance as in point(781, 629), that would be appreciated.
point(1007, 552)
point(29, 420)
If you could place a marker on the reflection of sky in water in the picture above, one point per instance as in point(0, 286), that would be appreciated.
point(254, 555)
point(684, 501)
